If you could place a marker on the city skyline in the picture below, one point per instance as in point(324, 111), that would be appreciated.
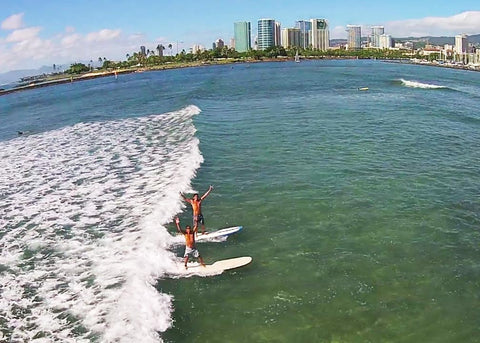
point(55, 33)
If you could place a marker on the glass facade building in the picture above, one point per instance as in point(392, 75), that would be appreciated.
point(266, 33)
point(305, 29)
point(242, 33)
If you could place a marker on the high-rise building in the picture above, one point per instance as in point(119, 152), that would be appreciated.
point(278, 34)
point(291, 38)
point(354, 37)
point(266, 33)
point(461, 44)
point(243, 41)
point(377, 31)
point(461, 48)
point(385, 41)
point(305, 28)
point(320, 37)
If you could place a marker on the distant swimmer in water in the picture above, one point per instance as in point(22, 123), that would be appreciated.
point(190, 248)
point(196, 203)
point(23, 132)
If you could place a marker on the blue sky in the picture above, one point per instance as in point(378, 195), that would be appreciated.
point(35, 33)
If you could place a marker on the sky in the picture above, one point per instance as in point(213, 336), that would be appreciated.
point(35, 33)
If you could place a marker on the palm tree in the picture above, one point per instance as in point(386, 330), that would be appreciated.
point(170, 47)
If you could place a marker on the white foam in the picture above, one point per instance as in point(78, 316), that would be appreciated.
point(90, 203)
point(416, 84)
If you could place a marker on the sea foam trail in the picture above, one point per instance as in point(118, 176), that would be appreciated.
point(416, 84)
point(82, 242)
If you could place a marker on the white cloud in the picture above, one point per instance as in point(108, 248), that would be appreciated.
point(466, 22)
point(102, 35)
point(338, 32)
point(70, 41)
point(25, 49)
point(13, 22)
point(23, 34)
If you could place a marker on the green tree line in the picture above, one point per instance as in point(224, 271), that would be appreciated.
point(150, 59)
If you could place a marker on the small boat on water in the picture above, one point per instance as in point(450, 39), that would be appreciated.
point(297, 58)
point(363, 89)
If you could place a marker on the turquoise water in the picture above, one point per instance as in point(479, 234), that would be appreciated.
point(361, 209)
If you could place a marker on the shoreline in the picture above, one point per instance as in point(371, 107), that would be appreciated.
point(436, 64)
point(94, 75)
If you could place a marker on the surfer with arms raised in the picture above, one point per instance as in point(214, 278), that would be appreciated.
point(196, 203)
point(190, 248)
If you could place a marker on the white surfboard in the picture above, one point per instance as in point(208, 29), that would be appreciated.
point(195, 268)
point(214, 236)
point(219, 233)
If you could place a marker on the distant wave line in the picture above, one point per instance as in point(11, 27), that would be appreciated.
point(417, 84)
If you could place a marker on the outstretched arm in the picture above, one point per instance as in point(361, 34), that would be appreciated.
point(185, 198)
point(207, 192)
point(177, 224)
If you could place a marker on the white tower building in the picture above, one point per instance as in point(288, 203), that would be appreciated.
point(377, 31)
point(320, 37)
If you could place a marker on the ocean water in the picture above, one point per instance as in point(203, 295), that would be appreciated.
point(361, 209)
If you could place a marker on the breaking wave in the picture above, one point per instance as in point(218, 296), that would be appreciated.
point(83, 240)
point(416, 84)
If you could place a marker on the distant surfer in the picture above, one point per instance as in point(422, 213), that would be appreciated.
point(196, 203)
point(190, 248)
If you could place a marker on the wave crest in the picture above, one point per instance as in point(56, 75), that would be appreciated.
point(416, 84)
point(83, 237)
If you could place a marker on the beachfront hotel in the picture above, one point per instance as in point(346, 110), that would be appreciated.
point(461, 44)
point(266, 33)
point(377, 31)
point(320, 37)
point(242, 33)
point(385, 41)
point(461, 49)
point(291, 37)
point(354, 37)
